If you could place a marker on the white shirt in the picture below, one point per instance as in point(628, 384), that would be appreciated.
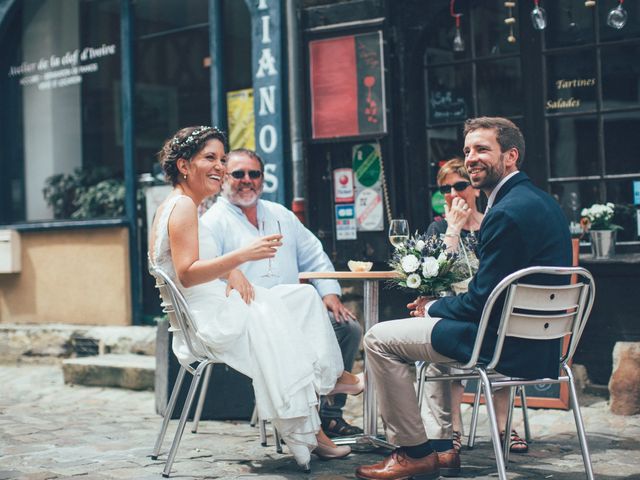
point(301, 250)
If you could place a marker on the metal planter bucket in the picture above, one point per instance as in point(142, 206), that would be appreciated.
point(603, 243)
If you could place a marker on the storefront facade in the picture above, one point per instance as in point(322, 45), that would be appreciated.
point(89, 92)
point(90, 89)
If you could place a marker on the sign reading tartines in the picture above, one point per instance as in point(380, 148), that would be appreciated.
point(347, 86)
point(267, 97)
point(569, 93)
point(61, 70)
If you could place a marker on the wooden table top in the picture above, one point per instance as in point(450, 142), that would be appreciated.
point(349, 275)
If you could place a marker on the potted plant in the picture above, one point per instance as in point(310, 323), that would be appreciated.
point(598, 220)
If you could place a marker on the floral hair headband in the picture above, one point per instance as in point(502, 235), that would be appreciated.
point(191, 139)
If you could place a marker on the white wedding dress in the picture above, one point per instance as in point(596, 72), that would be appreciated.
point(283, 340)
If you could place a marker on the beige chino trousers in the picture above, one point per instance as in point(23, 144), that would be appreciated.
point(392, 348)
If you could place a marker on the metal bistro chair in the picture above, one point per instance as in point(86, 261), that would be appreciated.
point(540, 312)
point(176, 308)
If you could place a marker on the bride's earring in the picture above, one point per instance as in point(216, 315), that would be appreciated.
point(184, 176)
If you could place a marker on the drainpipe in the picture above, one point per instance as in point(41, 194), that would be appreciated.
point(296, 92)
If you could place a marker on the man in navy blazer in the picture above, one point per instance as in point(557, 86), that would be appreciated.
point(523, 226)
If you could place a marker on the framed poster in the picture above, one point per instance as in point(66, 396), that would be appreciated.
point(347, 86)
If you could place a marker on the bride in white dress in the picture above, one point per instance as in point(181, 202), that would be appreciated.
point(285, 344)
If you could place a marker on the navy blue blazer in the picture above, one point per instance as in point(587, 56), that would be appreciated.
point(524, 228)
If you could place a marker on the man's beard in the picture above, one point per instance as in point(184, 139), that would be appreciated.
point(494, 174)
point(241, 200)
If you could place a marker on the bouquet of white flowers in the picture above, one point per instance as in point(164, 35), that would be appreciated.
point(424, 265)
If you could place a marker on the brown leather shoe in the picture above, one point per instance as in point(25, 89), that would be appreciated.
point(398, 466)
point(449, 463)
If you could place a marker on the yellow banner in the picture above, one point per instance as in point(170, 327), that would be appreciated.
point(240, 119)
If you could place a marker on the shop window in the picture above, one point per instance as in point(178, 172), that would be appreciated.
point(620, 76)
point(574, 196)
point(503, 76)
point(491, 32)
point(59, 111)
point(573, 146)
point(172, 73)
point(571, 82)
point(571, 23)
point(450, 98)
point(439, 40)
point(622, 142)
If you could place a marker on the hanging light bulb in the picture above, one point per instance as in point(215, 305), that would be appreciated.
point(617, 17)
point(538, 16)
point(458, 41)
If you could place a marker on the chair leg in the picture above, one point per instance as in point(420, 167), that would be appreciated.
point(168, 412)
point(421, 370)
point(577, 415)
point(474, 416)
point(506, 446)
point(183, 418)
point(263, 432)
point(254, 416)
point(201, 399)
point(493, 424)
point(525, 414)
point(276, 435)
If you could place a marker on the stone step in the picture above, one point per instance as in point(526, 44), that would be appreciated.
point(134, 372)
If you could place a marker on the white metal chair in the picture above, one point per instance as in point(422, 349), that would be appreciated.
point(423, 378)
point(176, 308)
point(540, 312)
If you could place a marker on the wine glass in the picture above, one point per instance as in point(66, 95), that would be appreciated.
point(398, 232)
point(270, 227)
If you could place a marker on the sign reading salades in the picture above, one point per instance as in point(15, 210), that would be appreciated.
point(267, 92)
point(347, 86)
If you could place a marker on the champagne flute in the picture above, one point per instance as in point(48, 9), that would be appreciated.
point(398, 232)
point(269, 228)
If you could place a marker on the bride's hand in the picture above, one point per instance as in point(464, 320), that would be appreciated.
point(263, 247)
point(237, 281)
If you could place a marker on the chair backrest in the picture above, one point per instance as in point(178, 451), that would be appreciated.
point(175, 306)
point(540, 312)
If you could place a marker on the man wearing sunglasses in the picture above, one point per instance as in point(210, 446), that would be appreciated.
point(523, 227)
point(239, 216)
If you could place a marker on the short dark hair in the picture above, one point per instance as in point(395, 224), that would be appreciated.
point(186, 143)
point(508, 135)
point(249, 153)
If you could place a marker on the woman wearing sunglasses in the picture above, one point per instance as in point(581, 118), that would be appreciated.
point(462, 219)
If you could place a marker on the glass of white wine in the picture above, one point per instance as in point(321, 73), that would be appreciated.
point(398, 232)
point(270, 228)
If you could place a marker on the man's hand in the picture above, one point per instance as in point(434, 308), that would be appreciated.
point(417, 306)
point(335, 306)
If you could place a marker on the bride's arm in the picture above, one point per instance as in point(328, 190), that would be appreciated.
point(183, 239)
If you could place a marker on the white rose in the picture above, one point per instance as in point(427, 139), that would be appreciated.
point(410, 263)
point(413, 280)
point(442, 257)
point(420, 245)
point(430, 267)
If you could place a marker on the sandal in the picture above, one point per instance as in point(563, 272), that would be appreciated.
point(337, 427)
point(457, 441)
point(516, 444)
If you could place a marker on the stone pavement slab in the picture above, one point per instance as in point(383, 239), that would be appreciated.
point(49, 430)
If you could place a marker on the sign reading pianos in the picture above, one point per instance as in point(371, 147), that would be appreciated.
point(267, 55)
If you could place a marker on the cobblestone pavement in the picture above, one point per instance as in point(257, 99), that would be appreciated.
point(49, 430)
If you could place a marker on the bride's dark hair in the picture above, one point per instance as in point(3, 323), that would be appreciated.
point(186, 143)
